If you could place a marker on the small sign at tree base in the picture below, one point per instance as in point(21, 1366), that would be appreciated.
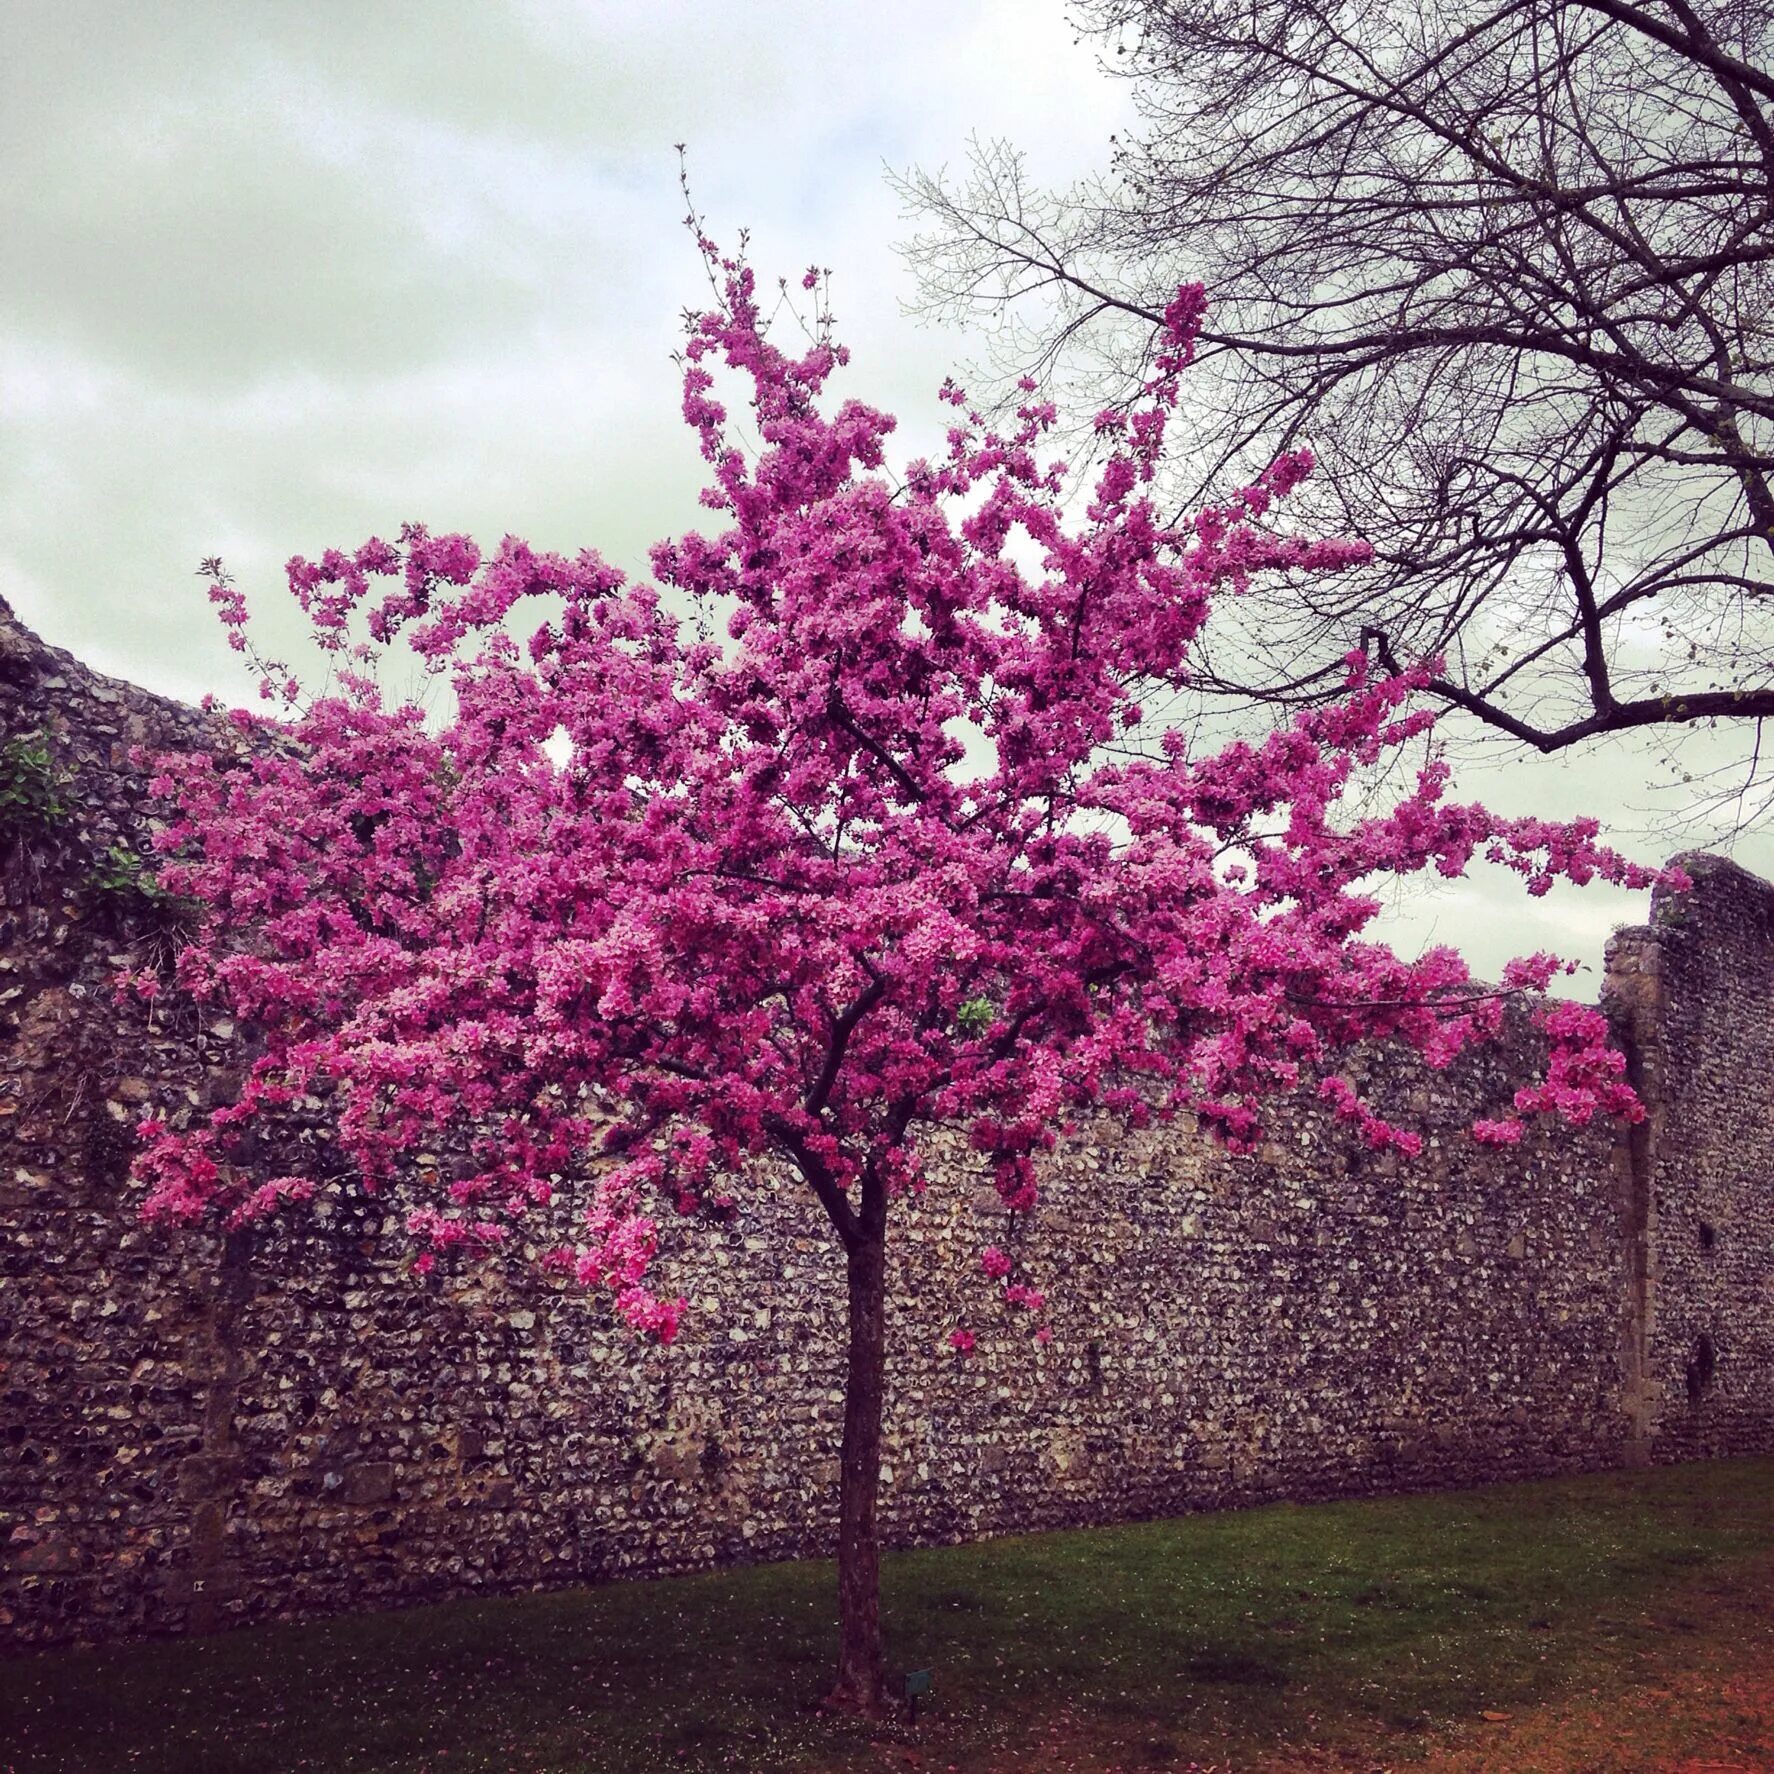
point(917, 1682)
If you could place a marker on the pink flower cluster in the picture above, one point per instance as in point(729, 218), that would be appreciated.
point(866, 819)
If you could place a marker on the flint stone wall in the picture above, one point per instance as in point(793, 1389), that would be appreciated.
point(197, 1431)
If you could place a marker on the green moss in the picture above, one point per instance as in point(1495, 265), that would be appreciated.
point(33, 787)
point(134, 905)
point(122, 872)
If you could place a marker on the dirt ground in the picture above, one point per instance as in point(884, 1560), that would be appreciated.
point(1695, 1721)
point(1707, 1708)
point(1697, 1700)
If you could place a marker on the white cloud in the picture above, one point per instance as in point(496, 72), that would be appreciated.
point(284, 275)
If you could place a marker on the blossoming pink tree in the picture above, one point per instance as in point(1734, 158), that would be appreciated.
point(658, 917)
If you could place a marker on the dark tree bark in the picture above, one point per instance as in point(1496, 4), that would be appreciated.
point(861, 1684)
point(860, 1222)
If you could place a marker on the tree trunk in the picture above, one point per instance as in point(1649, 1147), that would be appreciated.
point(862, 1677)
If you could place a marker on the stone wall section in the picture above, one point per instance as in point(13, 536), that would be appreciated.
point(197, 1431)
point(1701, 978)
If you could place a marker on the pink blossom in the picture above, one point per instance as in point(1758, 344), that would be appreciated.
point(1498, 1132)
point(882, 816)
point(903, 827)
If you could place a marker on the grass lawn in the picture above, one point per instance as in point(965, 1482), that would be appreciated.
point(1365, 1635)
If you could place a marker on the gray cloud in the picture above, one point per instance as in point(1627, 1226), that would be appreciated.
point(279, 276)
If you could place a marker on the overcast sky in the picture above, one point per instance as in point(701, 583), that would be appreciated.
point(277, 277)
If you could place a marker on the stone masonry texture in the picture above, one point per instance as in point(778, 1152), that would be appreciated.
point(198, 1431)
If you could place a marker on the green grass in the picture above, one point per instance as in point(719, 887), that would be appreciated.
point(1140, 1646)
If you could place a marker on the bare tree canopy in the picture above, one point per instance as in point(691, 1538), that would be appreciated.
point(1503, 264)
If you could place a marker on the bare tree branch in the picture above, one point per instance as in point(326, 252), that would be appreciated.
point(1507, 266)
